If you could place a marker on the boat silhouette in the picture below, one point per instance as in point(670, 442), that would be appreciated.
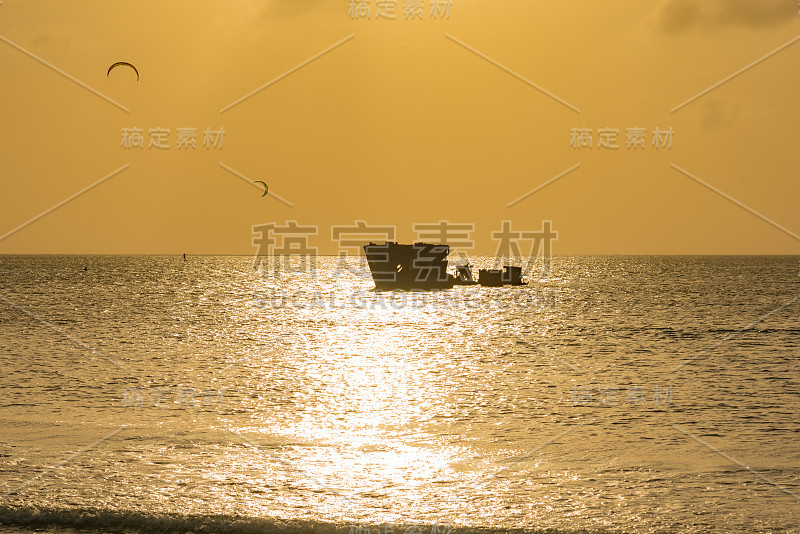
point(424, 266)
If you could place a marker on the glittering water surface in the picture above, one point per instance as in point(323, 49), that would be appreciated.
point(627, 393)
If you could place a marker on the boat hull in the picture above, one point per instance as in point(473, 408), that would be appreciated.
point(417, 266)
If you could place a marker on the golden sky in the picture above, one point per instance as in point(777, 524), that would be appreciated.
point(407, 121)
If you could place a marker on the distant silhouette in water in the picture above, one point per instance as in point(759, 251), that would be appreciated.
point(184, 256)
point(85, 268)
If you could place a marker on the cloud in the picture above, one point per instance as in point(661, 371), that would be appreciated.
point(675, 16)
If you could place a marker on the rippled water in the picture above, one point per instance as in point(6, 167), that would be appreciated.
point(644, 394)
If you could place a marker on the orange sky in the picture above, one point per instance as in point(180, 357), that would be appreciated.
point(401, 124)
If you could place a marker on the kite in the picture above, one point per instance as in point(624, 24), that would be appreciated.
point(266, 188)
point(119, 63)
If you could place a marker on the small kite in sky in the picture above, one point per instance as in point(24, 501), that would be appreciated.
point(266, 188)
point(119, 63)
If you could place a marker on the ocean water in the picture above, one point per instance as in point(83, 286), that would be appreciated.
point(635, 394)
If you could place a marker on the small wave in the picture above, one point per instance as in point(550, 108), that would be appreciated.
point(136, 521)
point(105, 520)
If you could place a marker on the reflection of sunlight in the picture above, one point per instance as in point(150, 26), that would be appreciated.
point(380, 398)
point(362, 383)
point(364, 469)
point(366, 393)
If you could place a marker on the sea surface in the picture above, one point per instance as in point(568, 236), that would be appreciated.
point(612, 394)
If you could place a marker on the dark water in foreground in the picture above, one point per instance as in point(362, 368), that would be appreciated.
point(640, 394)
